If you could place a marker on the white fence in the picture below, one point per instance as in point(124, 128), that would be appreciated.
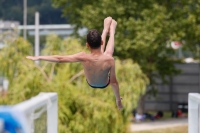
point(34, 107)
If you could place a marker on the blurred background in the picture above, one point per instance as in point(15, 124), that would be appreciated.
point(157, 53)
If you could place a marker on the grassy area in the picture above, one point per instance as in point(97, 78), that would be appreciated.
point(179, 129)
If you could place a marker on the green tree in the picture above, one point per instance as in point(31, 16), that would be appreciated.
point(13, 10)
point(145, 29)
point(81, 108)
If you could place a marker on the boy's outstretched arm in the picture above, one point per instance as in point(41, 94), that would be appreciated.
point(115, 86)
point(56, 58)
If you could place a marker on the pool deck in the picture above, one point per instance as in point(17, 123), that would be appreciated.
point(150, 125)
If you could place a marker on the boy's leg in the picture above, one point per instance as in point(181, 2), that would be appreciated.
point(110, 45)
point(107, 22)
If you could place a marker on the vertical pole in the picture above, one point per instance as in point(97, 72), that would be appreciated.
point(193, 114)
point(37, 47)
point(1, 125)
point(52, 118)
point(199, 77)
point(171, 93)
point(25, 18)
point(198, 51)
point(180, 55)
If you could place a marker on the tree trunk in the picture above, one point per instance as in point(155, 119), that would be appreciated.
point(140, 107)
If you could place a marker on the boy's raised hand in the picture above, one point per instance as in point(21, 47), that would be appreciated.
point(113, 26)
point(32, 57)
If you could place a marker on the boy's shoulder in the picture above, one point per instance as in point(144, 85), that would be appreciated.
point(108, 57)
point(88, 56)
point(82, 56)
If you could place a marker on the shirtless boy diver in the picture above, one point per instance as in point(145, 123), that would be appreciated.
point(99, 65)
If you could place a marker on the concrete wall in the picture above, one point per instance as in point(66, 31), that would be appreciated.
point(176, 92)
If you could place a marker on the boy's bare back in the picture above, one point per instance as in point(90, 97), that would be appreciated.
point(97, 68)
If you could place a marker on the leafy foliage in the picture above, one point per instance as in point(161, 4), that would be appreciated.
point(81, 108)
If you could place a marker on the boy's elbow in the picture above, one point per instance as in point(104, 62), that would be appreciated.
point(60, 59)
point(56, 59)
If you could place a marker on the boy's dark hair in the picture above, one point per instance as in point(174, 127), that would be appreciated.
point(94, 39)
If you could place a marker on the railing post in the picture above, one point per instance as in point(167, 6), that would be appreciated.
point(52, 118)
point(193, 116)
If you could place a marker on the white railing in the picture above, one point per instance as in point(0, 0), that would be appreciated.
point(1, 125)
point(194, 113)
point(45, 102)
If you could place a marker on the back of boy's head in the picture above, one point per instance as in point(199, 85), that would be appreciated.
point(94, 39)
